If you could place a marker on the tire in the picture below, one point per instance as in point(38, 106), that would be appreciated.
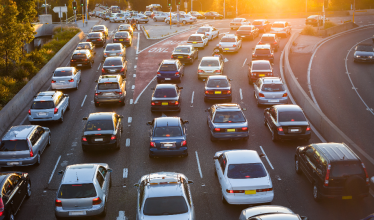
point(316, 194)
point(28, 188)
point(62, 118)
point(297, 166)
point(49, 140)
point(38, 161)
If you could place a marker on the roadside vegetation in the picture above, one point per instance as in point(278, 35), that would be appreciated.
point(309, 30)
point(329, 24)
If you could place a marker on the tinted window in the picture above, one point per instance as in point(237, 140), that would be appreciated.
point(94, 35)
point(229, 117)
point(83, 46)
point(261, 66)
point(167, 131)
point(228, 39)
point(171, 205)
point(42, 105)
point(104, 86)
point(113, 47)
point(278, 25)
point(209, 63)
point(291, 116)
point(97, 28)
point(203, 30)
point(257, 23)
point(262, 51)
point(70, 191)
point(165, 93)
point(112, 62)
point(268, 39)
point(16, 145)
point(217, 83)
point(100, 179)
point(99, 125)
point(272, 87)
point(346, 169)
point(245, 28)
point(182, 49)
point(79, 56)
point(195, 38)
point(121, 34)
point(237, 20)
point(168, 67)
point(245, 171)
point(63, 73)
point(367, 48)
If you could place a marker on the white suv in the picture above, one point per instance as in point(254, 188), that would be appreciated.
point(209, 31)
point(281, 28)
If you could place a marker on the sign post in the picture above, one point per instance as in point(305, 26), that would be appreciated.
point(60, 10)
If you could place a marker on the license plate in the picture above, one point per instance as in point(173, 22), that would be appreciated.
point(108, 94)
point(112, 71)
point(77, 213)
point(79, 65)
point(13, 163)
point(227, 48)
point(194, 42)
point(42, 113)
point(346, 197)
point(168, 145)
point(231, 130)
point(112, 54)
point(294, 130)
point(167, 78)
point(273, 100)
point(261, 75)
point(61, 81)
point(248, 192)
point(217, 92)
point(120, 39)
point(99, 139)
point(180, 56)
point(165, 103)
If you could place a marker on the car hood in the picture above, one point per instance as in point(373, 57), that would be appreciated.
point(251, 183)
point(294, 123)
point(364, 53)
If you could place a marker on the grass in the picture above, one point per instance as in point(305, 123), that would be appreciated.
point(308, 30)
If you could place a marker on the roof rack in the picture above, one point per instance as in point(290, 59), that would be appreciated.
point(158, 180)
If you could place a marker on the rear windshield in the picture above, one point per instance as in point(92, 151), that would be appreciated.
point(79, 56)
point(42, 105)
point(194, 38)
point(63, 73)
point(168, 67)
point(346, 169)
point(291, 116)
point(262, 51)
point(268, 39)
point(121, 34)
point(113, 47)
point(112, 62)
point(229, 117)
point(257, 23)
point(246, 170)
point(278, 25)
point(94, 35)
point(168, 132)
point(71, 191)
point(228, 39)
point(209, 63)
point(104, 86)
point(98, 28)
point(217, 83)
point(182, 49)
point(83, 46)
point(99, 125)
point(261, 66)
point(237, 20)
point(245, 28)
point(119, 15)
point(16, 145)
point(203, 30)
point(165, 93)
point(171, 205)
point(125, 27)
point(272, 87)
point(367, 48)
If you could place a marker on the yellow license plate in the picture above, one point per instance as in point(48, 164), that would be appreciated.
point(262, 75)
point(346, 197)
point(217, 92)
point(232, 130)
point(165, 103)
point(120, 39)
point(120, 17)
point(180, 56)
point(248, 192)
point(194, 42)
point(227, 48)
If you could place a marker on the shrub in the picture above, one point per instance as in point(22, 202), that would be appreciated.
point(19, 73)
point(329, 24)
point(308, 30)
point(37, 58)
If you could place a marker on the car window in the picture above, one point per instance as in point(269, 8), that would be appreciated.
point(278, 25)
point(113, 47)
point(42, 105)
point(14, 145)
point(122, 34)
point(71, 191)
point(262, 51)
point(40, 130)
point(272, 87)
point(261, 66)
point(195, 38)
point(83, 46)
point(14, 179)
point(99, 125)
point(343, 169)
point(100, 179)
point(168, 67)
point(8, 188)
point(165, 93)
point(167, 131)
point(291, 116)
point(209, 63)
point(245, 28)
point(273, 113)
point(172, 205)
point(107, 85)
point(246, 171)
point(94, 35)
point(186, 191)
point(217, 83)
point(228, 39)
point(113, 62)
point(229, 117)
point(97, 28)
point(59, 73)
point(222, 162)
point(79, 56)
point(182, 49)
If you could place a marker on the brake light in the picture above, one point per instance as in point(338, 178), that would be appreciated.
point(58, 203)
point(184, 143)
point(244, 128)
point(84, 139)
point(366, 173)
point(152, 103)
point(31, 153)
point(102, 70)
point(119, 93)
point(275, 42)
point(98, 39)
point(260, 42)
point(29, 111)
point(176, 103)
point(200, 71)
point(123, 69)
point(219, 45)
point(98, 93)
point(229, 92)
point(264, 190)
point(217, 71)
point(105, 54)
point(285, 95)
point(234, 45)
point(171, 57)
point(127, 38)
point(53, 81)
point(71, 60)
point(253, 55)
point(280, 129)
point(188, 57)
point(327, 175)
point(217, 129)
point(177, 74)
point(153, 144)
point(55, 111)
point(234, 191)
point(158, 73)
point(113, 137)
point(96, 201)
point(72, 80)
point(261, 95)
point(206, 92)
point(308, 128)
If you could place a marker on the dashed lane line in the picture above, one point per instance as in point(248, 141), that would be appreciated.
point(50, 178)
point(84, 100)
point(267, 158)
point(127, 142)
point(198, 164)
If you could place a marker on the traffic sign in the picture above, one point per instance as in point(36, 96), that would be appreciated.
point(60, 10)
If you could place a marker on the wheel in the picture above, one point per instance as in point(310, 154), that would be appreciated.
point(49, 141)
point(28, 194)
point(316, 194)
point(97, 104)
point(184, 22)
point(273, 136)
point(62, 118)
point(297, 168)
point(38, 160)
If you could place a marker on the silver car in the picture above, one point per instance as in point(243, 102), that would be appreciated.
point(83, 191)
point(66, 78)
point(210, 66)
point(230, 43)
point(237, 22)
point(139, 18)
point(114, 50)
point(270, 212)
point(49, 106)
point(198, 40)
point(164, 195)
point(184, 19)
point(22, 145)
point(270, 91)
point(110, 89)
point(161, 16)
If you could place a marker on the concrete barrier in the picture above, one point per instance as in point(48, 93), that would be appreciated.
point(291, 15)
point(22, 100)
point(336, 29)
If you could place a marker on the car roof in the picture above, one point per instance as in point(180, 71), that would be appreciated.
point(101, 116)
point(279, 22)
point(268, 35)
point(288, 107)
point(279, 216)
point(46, 95)
point(113, 58)
point(165, 86)
point(79, 173)
point(336, 151)
point(227, 107)
point(262, 46)
point(263, 209)
point(167, 121)
point(260, 62)
point(18, 132)
point(65, 68)
point(108, 78)
point(218, 77)
point(242, 156)
point(210, 58)
point(271, 80)
point(198, 35)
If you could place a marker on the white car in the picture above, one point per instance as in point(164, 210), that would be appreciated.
point(281, 28)
point(120, 17)
point(230, 43)
point(237, 22)
point(243, 177)
point(198, 40)
point(161, 16)
point(270, 212)
point(210, 66)
point(185, 19)
point(209, 31)
point(66, 78)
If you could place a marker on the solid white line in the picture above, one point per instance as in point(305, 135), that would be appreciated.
point(133, 87)
point(267, 158)
point(99, 66)
point(50, 178)
point(136, 101)
point(121, 215)
point(129, 120)
point(137, 44)
point(125, 172)
point(23, 121)
point(241, 94)
point(131, 101)
point(127, 142)
point(193, 92)
point(134, 75)
point(198, 165)
point(244, 62)
point(84, 100)
point(135, 67)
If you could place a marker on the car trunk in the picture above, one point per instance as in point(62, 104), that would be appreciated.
point(273, 95)
point(94, 39)
point(261, 73)
point(177, 55)
point(217, 91)
point(42, 109)
point(243, 32)
point(168, 144)
point(121, 39)
point(294, 127)
point(14, 149)
point(171, 101)
point(76, 204)
point(210, 69)
point(63, 80)
point(227, 45)
point(112, 69)
point(98, 137)
point(112, 53)
point(168, 73)
point(249, 185)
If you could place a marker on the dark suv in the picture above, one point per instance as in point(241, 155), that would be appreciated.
point(334, 169)
point(82, 58)
point(270, 39)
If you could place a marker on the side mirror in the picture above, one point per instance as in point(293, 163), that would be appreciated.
point(190, 182)
point(261, 155)
point(85, 118)
point(186, 122)
point(149, 123)
point(109, 170)
point(60, 172)
point(215, 158)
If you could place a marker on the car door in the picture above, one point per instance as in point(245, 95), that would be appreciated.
point(43, 138)
point(140, 198)
point(221, 171)
point(181, 68)
point(106, 175)
point(307, 162)
point(257, 87)
point(78, 74)
point(11, 195)
point(19, 188)
point(100, 179)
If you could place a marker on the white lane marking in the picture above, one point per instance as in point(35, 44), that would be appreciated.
point(198, 164)
point(241, 94)
point(133, 87)
point(136, 101)
point(136, 58)
point(267, 158)
point(125, 172)
point(127, 142)
point(84, 100)
point(50, 178)
point(244, 62)
point(23, 121)
point(99, 67)
point(134, 75)
point(137, 44)
point(135, 67)
point(121, 216)
point(131, 101)
point(67, 63)
point(193, 92)
point(129, 120)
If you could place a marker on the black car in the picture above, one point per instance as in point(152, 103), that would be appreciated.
point(82, 58)
point(218, 88)
point(123, 37)
point(114, 65)
point(102, 131)
point(287, 122)
point(335, 171)
point(87, 46)
point(16, 186)
point(213, 15)
point(166, 97)
point(96, 38)
point(185, 53)
point(270, 39)
point(364, 53)
point(168, 137)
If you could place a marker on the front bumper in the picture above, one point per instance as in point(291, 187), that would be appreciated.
point(249, 199)
point(182, 151)
point(95, 210)
point(230, 135)
point(28, 161)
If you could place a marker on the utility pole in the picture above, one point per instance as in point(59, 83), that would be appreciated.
point(354, 9)
point(45, 6)
point(87, 12)
point(224, 9)
point(306, 6)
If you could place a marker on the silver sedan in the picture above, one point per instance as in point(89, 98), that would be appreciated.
point(270, 91)
point(66, 78)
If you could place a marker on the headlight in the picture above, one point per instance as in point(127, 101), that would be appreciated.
point(357, 56)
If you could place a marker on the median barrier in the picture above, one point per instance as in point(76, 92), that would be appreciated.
point(336, 29)
point(15, 107)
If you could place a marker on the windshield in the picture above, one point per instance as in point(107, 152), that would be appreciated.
point(16, 145)
point(99, 125)
point(171, 205)
point(209, 63)
point(168, 132)
point(229, 117)
point(122, 34)
point(59, 73)
point(112, 62)
point(291, 116)
point(278, 25)
point(228, 39)
point(42, 105)
point(98, 28)
point(113, 47)
point(268, 39)
point(246, 170)
point(165, 93)
point(104, 86)
point(203, 30)
point(262, 51)
point(168, 67)
point(182, 49)
point(245, 28)
point(237, 20)
point(346, 169)
point(83, 46)
point(217, 83)
point(194, 38)
point(71, 191)
point(257, 23)
point(94, 35)
point(367, 48)
point(272, 87)
point(261, 66)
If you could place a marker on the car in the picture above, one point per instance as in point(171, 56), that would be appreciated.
point(270, 39)
point(16, 187)
point(114, 65)
point(363, 53)
point(237, 22)
point(49, 106)
point(96, 38)
point(198, 40)
point(103, 130)
point(126, 27)
point(210, 66)
point(23, 145)
point(247, 31)
point(227, 122)
point(161, 16)
point(218, 88)
point(123, 37)
point(287, 122)
point(243, 177)
point(270, 212)
point(112, 17)
point(83, 191)
point(196, 14)
point(270, 91)
point(170, 70)
point(87, 46)
point(213, 15)
point(168, 137)
point(66, 78)
point(209, 31)
point(369, 217)
point(166, 97)
point(114, 50)
point(120, 17)
point(185, 19)
point(185, 53)
point(100, 28)
point(82, 58)
point(110, 89)
point(164, 195)
point(335, 171)
point(315, 20)
point(230, 43)
point(139, 18)
point(106, 16)
point(281, 28)
point(148, 13)
point(373, 38)
point(262, 24)
point(263, 52)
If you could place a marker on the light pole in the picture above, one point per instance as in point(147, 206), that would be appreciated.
point(354, 9)
point(45, 5)
point(306, 6)
point(224, 9)
point(236, 8)
point(191, 5)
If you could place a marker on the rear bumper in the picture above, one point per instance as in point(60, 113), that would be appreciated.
point(79, 64)
point(283, 136)
point(165, 108)
point(325, 192)
point(250, 199)
point(54, 118)
point(168, 79)
point(95, 210)
point(22, 162)
point(230, 49)
point(230, 135)
point(217, 97)
point(109, 100)
point(110, 145)
point(182, 151)
point(266, 101)
point(199, 45)
point(63, 86)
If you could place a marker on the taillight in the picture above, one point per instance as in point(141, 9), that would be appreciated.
point(84, 139)
point(171, 57)
point(127, 38)
point(1, 207)
point(105, 54)
point(264, 190)
point(366, 173)
point(200, 71)
point(280, 129)
point(244, 128)
point(53, 81)
point(234, 191)
point(253, 55)
point(234, 45)
point(158, 73)
point(153, 144)
point(123, 69)
point(72, 80)
point(176, 103)
point(88, 40)
point(308, 128)
point(206, 92)
point(184, 143)
point(285, 94)
point(188, 57)
point(58, 203)
point(55, 111)
point(177, 74)
point(217, 71)
point(96, 201)
point(229, 92)
point(29, 111)
point(98, 93)
point(113, 137)
point(217, 129)
point(102, 70)
point(275, 42)
point(327, 175)
point(119, 93)
point(98, 39)
point(261, 95)
point(260, 42)
point(152, 103)
point(31, 153)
